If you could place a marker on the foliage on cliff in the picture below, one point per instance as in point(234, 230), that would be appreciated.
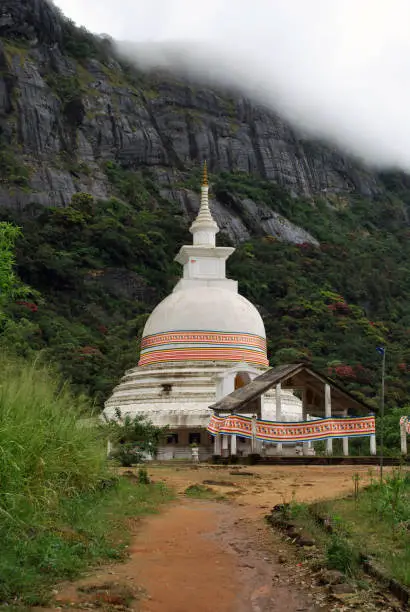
point(101, 266)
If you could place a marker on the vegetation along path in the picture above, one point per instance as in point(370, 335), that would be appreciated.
point(211, 549)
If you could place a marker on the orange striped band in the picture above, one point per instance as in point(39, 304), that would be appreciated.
point(203, 346)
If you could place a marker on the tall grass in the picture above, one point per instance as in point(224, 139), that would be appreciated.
point(49, 463)
point(61, 509)
point(45, 452)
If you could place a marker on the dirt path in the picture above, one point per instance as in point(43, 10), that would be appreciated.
point(213, 556)
point(200, 556)
point(196, 555)
point(256, 489)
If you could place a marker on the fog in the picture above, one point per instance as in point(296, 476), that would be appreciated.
point(338, 69)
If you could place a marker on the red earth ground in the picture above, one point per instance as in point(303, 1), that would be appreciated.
point(221, 556)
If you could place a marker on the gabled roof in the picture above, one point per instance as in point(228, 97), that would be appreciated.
point(297, 375)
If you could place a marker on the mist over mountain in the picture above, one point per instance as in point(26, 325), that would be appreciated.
point(337, 70)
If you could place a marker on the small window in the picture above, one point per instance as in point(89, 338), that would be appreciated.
point(172, 438)
point(241, 439)
point(195, 438)
point(166, 388)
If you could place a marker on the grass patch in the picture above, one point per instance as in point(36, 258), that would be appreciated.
point(61, 508)
point(86, 530)
point(378, 521)
point(374, 522)
point(198, 491)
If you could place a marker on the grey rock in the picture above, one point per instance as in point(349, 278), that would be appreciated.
point(245, 220)
point(34, 20)
point(331, 577)
point(157, 120)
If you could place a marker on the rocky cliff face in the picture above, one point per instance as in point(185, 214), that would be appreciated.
point(67, 107)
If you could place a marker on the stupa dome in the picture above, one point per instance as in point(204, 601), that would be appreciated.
point(204, 323)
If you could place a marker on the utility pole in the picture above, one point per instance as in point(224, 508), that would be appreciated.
point(382, 414)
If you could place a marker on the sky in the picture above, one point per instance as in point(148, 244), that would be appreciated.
point(337, 69)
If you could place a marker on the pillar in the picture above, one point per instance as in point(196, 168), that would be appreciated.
point(346, 447)
point(328, 414)
point(278, 390)
point(305, 417)
point(307, 446)
point(403, 436)
point(373, 448)
point(233, 445)
point(217, 444)
point(254, 442)
point(310, 444)
point(373, 443)
point(225, 445)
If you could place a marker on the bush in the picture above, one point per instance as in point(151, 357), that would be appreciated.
point(143, 477)
point(12, 170)
point(125, 455)
point(341, 555)
point(133, 438)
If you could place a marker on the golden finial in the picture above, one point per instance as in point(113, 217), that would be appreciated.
point(205, 175)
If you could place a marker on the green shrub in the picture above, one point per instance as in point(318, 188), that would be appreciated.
point(143, 477)
point(133, 438)
point(341, 556)
point(390, 500)
point(12, 171)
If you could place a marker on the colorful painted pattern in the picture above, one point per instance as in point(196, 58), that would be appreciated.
point(405, 420)
point(300, 431)
point(203, 346)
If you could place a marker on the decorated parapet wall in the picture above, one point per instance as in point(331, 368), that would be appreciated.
point(300, 431)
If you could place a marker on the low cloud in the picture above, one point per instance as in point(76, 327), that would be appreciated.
point(339, 70)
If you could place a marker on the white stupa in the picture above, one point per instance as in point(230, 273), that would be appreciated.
point(199, 344)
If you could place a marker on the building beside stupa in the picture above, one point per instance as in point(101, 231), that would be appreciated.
point(199, 344)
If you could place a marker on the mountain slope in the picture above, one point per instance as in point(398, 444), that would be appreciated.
point(323, 242)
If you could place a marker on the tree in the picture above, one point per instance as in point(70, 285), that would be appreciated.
point(10, 285)
point(133, 438)
point(8, 281)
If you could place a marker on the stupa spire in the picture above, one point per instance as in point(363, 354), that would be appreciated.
point(204, 228)
point(205, 175)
